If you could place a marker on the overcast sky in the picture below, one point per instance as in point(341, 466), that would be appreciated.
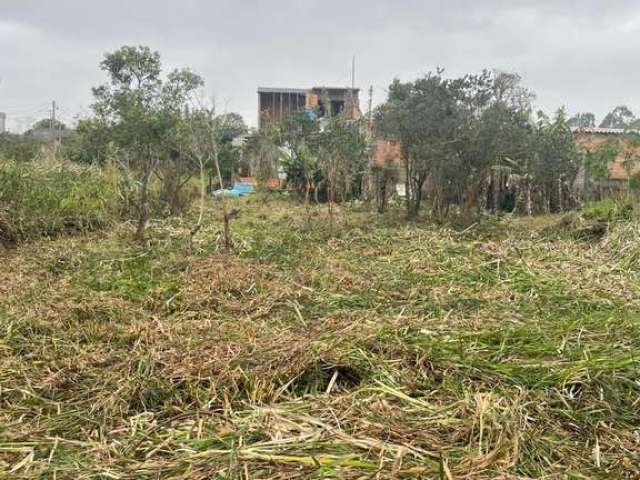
point(581, 54)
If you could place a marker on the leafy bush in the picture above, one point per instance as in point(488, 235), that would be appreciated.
point(20, 148)
point(609, 210)
point(48, 197)
point(634, 183)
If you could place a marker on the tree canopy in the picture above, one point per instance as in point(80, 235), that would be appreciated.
point(582, 120)
point(461, 137)
point(139, 112)
point(619, 117)
point(47, 123)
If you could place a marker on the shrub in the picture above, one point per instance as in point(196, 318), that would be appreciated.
point(19, 147)
point(609, 210)
point(634, 183)
point(47, 197)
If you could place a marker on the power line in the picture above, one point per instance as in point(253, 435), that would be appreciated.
point(32, 106)
point(15, 113)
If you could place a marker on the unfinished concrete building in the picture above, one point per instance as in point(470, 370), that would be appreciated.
point(277, 104)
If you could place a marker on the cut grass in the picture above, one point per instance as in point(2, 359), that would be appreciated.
point(366, 349)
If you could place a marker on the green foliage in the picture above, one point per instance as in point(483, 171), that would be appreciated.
point(629, 148)
point(90, 143)
point(634, 183)
point(385, 349)
point(423, 116)
point(453, 132)
point(114, 269)
point(326, 157)
point(553, 163)
point(229, 158)
point(619, 117)
point(582, 120)
point(229, 125)
point(610, 210)
point(48, 197)
point(141, 113)
point(139, 108)
point(383, 178)
point(597, 160)
point(46, 124)
point(262, 152)
point(19, 147)
point(302, 171)
point(203, 142)
point(340, 148)
point(299, 133)
point(470, 142)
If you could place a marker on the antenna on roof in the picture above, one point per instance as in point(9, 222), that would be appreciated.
point(353, 73)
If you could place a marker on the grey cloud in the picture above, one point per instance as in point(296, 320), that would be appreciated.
point(578, 54)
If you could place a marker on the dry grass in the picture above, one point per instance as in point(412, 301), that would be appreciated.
point(366, 349)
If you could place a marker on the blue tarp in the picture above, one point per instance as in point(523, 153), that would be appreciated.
point(239, 190)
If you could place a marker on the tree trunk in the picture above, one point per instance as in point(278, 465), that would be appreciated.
point(407, 188)
point(226, 216)
point(382, 195)
point(418, 198)
point(560, 194)
point(497, 190)
point(470, 200)
point(330, 195)
point(143, 211)
point(203, 193)
point(307, 199)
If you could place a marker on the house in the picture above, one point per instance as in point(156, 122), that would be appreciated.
point(387, 153)
point(623, 166)
point(277, 104)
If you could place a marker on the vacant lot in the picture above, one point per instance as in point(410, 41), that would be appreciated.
point(364, 349)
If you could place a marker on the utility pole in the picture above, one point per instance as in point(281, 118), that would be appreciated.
point(370, 112)
point(53, 126)
point(52, 118)
point(353, 73)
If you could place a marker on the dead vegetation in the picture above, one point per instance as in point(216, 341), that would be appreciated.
point(374, 350)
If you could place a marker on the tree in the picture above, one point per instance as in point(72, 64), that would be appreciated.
point(206, 136)
point(229, 126)
point(582, 120)
point(47, 124)
point(141, 111)
point(534, 163)
point(454, 133)
point(630, 145)
point(382, 180)
point(299, 134)
point(262, 149)
point(422, 116)
point(555, 162)
point(619, 117)
point(596, 165)
point(492, 138)
point(91, 143)
point(341, 153)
